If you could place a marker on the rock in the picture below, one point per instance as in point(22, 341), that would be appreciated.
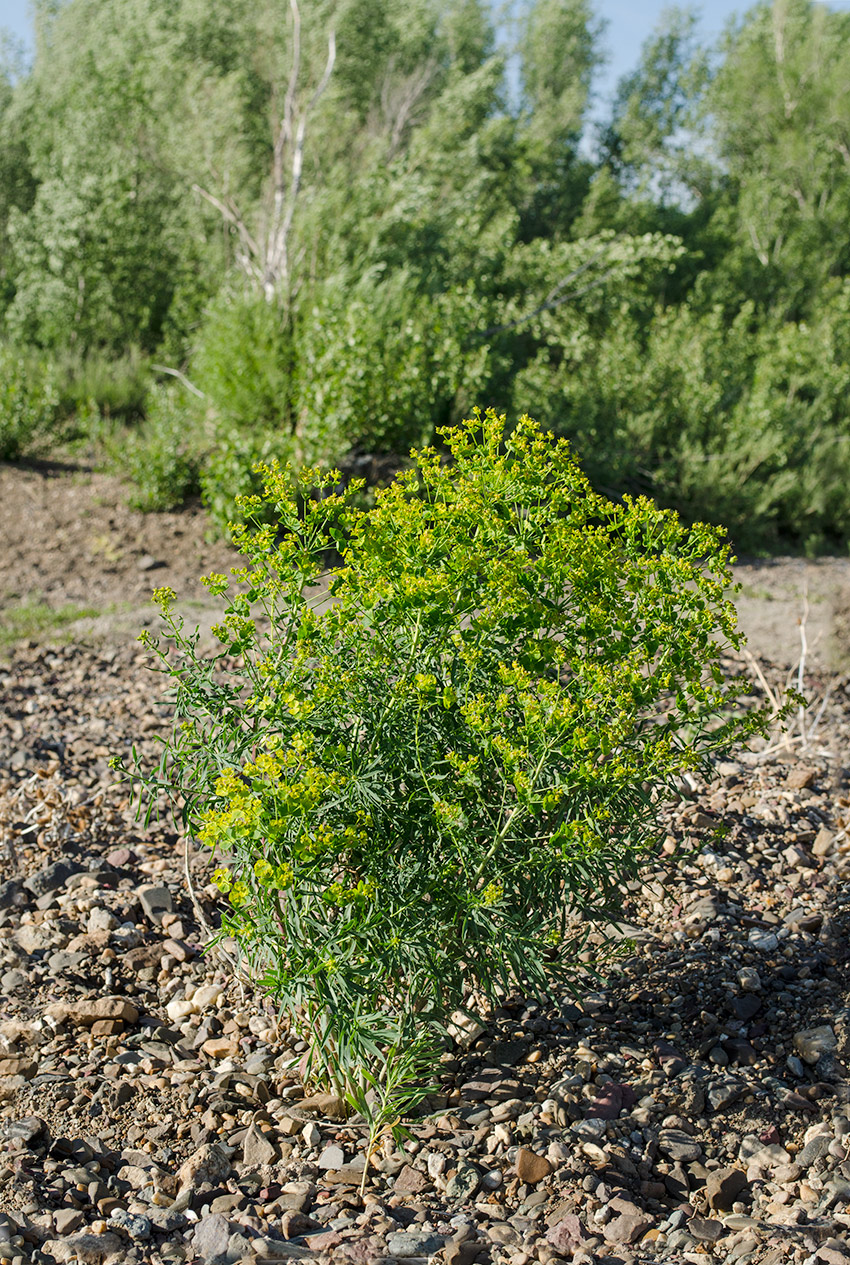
point(800, 778)
point(67, 1220)
point(672, 1062)
point(463, 1185)
point(679, 1145)
point(211, 1239)
point(413, 1243)
point(87, 1011)
point(613, 1099)
point(815, 1149)
point(465, 1253)
point(410, 1181)
point(723, 1186)
point(567, 1236)
point(749, 979)
point(258, 1148)
point(531, 1168)
point(705, 1229)
point(18, 1066)
point(89, 1249)
point(137, 1226)
point(333, 1157)
point(207, 1164)
point(28, 1128)
point(627, 1227)
point(812, 1043)
point(52, 877)
point(156, 902)
point(11, 895)
point(148, 562)
point(463, 1029)
point(724, 1093)
point(763, 941)
point(312, 1135)
point(329, 1106)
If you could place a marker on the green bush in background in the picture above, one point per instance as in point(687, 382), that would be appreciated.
point(29, 403)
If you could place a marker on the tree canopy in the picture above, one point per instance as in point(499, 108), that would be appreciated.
point(345, 224)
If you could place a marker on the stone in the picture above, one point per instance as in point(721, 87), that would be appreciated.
point(567, 1236)
point(723, 1186)
point(312, 1135)
point(815, 1149)
point(67, 1220)
point(705, 1229)
point(613, 1099)
point(332, 1157)
point(408, 1243)
point(627, 1227)
point(87, 1011)
point(812, 1043)
point(329, 1106)
point(28, 1128)
point(410, 1181)
point(724, 1093)
point(763, 941)
point(156, 902)
point(531, 1168)
point(258, 1148)
point(211, 1239)
point(678, 1145)
point(11, 895)
point(82, 1249)
point(463, 1185)
point(207, 1164)
point(134, 1224)
point(800, 778)
point(466, 1253)
point(672, 1062)
point(51, 878)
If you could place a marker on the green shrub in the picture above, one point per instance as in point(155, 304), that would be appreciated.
point(437, 782)
point(29, 402)
point(162, 456)
point(116, 386)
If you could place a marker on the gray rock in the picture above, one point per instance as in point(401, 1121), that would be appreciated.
point(763, 941)
point(11, 895)
point(679, 1145)
point(724, 1093)
point(258, 1149)
point(332, 1158)
point(211, 1239)
point(812, 1043)
point(414, 1243)
point(156, 902)
point(814, 1150)
point(137, 1226)
point(464, 1184)
point(51, 878)
point(13, 980)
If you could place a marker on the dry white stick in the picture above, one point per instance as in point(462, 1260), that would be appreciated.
point(802, 664)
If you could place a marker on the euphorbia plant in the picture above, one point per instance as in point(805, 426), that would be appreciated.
point(429, 775)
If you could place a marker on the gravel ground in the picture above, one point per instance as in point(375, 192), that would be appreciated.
point(695, 1108)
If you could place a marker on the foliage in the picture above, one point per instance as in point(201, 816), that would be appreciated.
point(347, 221)
point(162, 455)
point(442, 779)
point(29, 402)
point(116, 386)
